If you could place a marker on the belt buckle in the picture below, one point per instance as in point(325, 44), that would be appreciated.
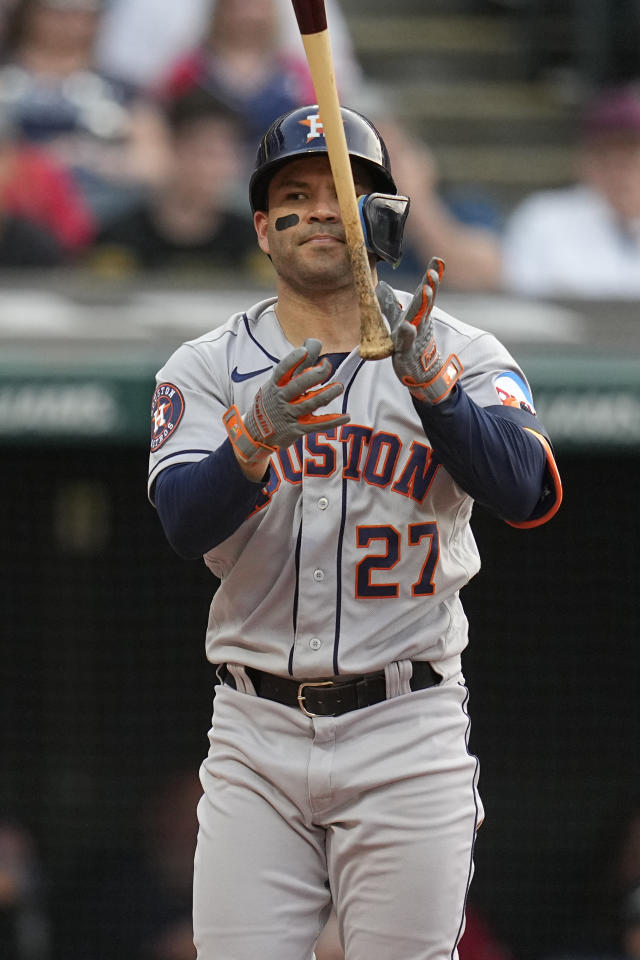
point(317, 683)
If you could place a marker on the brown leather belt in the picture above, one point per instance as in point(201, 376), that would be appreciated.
point(330, 698)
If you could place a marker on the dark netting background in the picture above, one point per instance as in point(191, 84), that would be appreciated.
point(106, 702)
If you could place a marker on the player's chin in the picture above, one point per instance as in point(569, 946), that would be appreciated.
point(328, 273)
point(315, 269)
point(324, 255)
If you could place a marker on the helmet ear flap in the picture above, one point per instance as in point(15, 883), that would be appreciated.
point(383, 217)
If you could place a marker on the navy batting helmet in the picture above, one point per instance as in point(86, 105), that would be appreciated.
point(299, 133)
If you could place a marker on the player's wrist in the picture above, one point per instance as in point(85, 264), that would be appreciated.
point(258, 470)
point(249, 452)
point(439, 385)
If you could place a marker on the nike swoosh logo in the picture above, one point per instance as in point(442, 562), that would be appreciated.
point(240, 377)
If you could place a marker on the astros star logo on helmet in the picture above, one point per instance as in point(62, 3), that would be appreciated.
point(316, 127)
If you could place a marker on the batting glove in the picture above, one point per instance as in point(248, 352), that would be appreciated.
point(283, 409)
point(416, 360)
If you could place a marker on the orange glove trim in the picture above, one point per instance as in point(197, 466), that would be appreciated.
point(246, 448)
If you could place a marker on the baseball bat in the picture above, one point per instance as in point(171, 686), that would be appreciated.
point(375, 342)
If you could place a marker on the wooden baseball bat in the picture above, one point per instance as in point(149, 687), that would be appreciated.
point(375, 342)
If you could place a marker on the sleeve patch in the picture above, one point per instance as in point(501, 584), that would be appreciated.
point(513, 391)
point(167, 408)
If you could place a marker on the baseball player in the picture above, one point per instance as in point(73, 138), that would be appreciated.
point(332, 497)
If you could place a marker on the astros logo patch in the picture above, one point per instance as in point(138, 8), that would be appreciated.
point(167, 408)
point(513, 391)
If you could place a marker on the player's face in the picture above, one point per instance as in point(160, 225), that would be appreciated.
point(303, 231)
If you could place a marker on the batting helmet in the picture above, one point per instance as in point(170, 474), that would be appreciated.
point(299, 133)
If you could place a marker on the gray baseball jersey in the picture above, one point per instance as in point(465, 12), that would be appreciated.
point(357, 550)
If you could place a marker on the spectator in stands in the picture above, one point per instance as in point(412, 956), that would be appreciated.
point(606, 916)
point(188, 222)
point(24, 923)
point(101, 131)
point(617, 896)
point(5, 9)
point(23, 242)
point(136, 904)
point(465, 235)
point(171, 30)
point(240, 63)
point(631, 924)
point(554, 237)
point(35, 187)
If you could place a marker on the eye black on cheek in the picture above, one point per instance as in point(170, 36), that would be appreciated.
point(282, 223)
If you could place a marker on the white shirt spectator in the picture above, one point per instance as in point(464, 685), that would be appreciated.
point(141, 39)
point(555, 239)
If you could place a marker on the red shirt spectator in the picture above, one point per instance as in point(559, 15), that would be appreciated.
point(39, 189)
point(241, 63)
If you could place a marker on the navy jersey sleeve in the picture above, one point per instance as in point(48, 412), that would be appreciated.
point(499, 455)
point(201, 504)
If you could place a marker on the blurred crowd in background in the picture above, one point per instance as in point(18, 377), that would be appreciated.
point(128, 129)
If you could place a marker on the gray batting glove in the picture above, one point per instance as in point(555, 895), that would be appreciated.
point(416, 359)
point(283, 409)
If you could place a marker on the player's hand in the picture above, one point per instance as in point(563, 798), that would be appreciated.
point(416, 359)
point(284, 408)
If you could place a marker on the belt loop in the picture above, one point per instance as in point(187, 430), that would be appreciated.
point(397, 676)
point(242, 679)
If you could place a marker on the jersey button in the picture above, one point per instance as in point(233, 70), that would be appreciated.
point(315, 643)
point(323, 503)
point(318, 575)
